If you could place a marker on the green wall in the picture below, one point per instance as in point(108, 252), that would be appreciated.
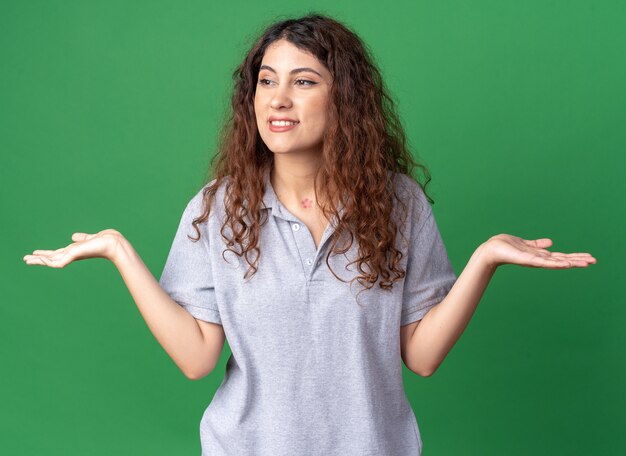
point(108, 117)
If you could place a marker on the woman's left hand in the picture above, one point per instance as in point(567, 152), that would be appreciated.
point(508, 249)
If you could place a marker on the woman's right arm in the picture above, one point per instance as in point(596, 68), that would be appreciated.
point(194, 345)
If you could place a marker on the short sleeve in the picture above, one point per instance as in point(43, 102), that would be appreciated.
point(187, 276)
point(429, 274)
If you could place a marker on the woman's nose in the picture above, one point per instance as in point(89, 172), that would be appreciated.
point(281, 98)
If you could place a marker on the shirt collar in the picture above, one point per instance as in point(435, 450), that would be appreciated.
point(270, 200)
point(269, 197)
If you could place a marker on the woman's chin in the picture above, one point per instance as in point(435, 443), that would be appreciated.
point(282, 150)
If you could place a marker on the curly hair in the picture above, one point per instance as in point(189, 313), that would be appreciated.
point(375, 144)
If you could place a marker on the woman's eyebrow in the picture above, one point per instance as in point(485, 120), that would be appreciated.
point(294, 71)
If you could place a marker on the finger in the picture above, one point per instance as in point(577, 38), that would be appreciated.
point(81, 236)
point(33, 261)
point(542, 243)
point(566, 255)
point(48, 252)
point(574, 256)
point(561, 263)
point(58, 261)
point(541, 260)
point(36, 260)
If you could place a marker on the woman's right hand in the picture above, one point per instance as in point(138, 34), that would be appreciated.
point(99, 245)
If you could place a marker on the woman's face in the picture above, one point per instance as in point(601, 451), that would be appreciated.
point(294, 85)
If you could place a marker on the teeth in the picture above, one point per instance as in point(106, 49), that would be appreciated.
point(282, 123)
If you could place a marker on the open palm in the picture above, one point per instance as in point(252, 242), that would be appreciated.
point(508, 249)
point(98, 245)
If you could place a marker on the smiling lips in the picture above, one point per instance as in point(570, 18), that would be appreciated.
point(279, 126)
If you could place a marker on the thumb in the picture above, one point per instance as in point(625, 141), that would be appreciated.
point(80, 236)
point(543, 242)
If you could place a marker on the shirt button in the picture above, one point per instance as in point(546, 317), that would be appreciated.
point(295, 226)
point(309, 262)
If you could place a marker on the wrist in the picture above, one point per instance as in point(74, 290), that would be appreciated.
point(483, 256)
point(118, 249)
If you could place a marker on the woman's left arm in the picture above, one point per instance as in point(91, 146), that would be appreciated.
point(442, 326)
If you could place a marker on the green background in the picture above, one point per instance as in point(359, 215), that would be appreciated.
point(109, 112)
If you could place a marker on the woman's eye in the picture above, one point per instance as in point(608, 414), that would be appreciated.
point(302, 82)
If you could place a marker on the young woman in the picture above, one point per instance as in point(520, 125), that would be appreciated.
point(314, 251)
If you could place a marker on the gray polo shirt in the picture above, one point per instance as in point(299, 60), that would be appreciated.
point(311, 371)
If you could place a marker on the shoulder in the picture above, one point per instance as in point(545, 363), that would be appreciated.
point(411, 193)
point(198, 201)
point(208, 223)
point(414, 209)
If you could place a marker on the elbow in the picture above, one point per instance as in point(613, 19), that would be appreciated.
point(193, 375)
point(419, 370)
point(424, 372)
point(197, 374)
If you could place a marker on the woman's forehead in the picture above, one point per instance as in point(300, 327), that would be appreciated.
point(283, 56)
point(282, 51)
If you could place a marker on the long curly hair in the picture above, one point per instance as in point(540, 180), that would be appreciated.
point(373, 142)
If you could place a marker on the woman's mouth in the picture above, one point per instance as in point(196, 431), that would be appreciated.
point(278, 126)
